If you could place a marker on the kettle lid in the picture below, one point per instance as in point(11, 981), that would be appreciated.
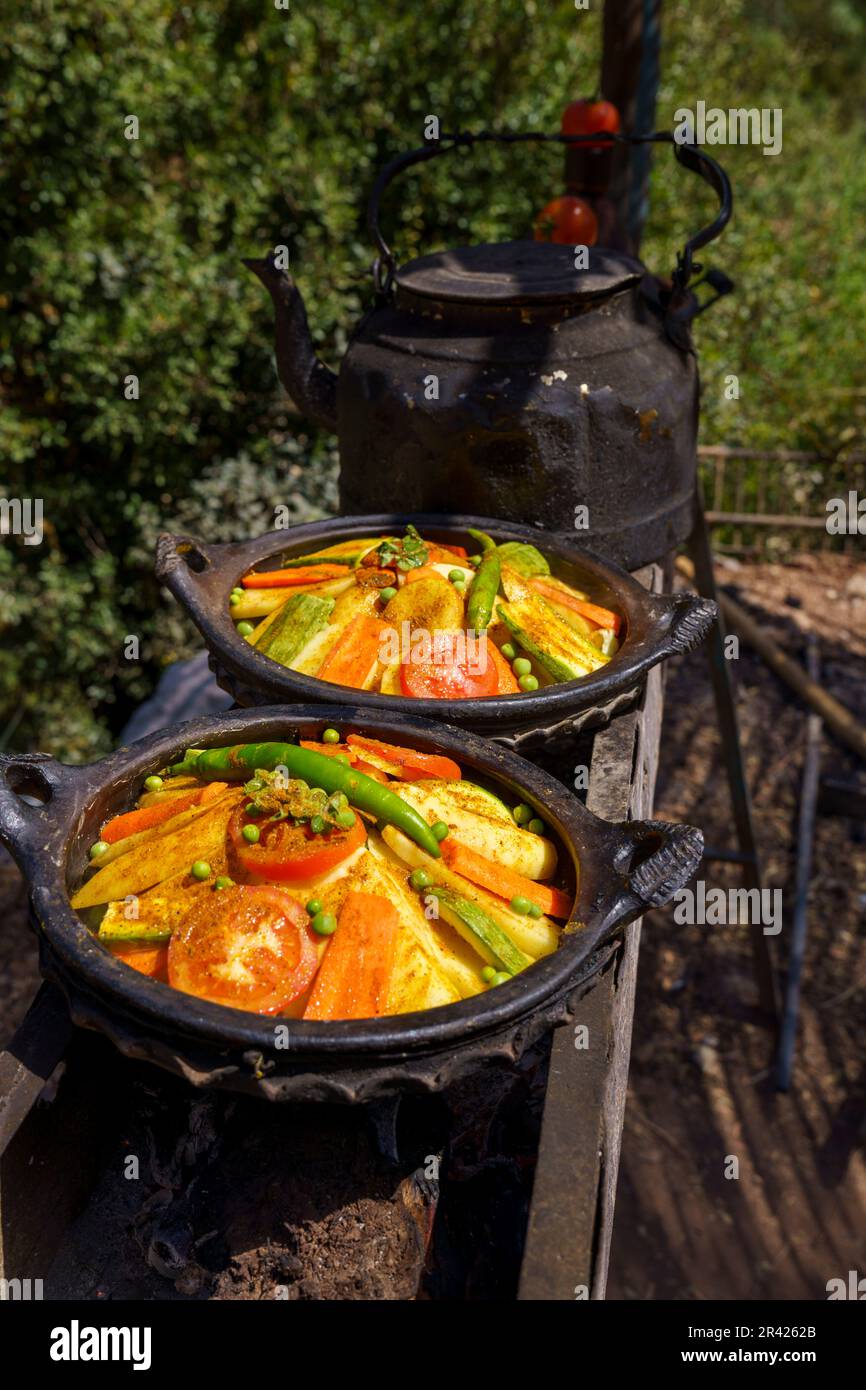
point(517, 273)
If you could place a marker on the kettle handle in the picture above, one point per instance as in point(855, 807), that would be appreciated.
point(691, 156)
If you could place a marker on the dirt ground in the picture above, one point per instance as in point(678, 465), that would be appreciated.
point(701, 1087)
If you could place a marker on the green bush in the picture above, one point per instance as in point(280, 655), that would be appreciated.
point(260, 126)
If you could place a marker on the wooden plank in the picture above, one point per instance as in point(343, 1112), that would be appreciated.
point(570, 1225)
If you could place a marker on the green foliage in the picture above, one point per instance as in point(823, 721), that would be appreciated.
point(260, 126)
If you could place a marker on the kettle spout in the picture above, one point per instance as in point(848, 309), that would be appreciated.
point(311, 385)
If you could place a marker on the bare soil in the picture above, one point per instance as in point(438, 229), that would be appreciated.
point(701, 1086)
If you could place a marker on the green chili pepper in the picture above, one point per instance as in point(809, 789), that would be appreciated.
point(486, 542)
point(235, 764)
point(485, 587)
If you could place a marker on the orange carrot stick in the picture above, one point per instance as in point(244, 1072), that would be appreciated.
point(504, 882)
point(352, 660)
point(426, 572)
point(428, 764)
point(288, 579)
point(330, 750)
point(147, 960)
point(355, 974)
point(507, 679)
point(596, 614)
point(146, 817)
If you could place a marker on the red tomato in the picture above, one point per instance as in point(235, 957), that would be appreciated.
point(290, 853)
point(569, 221)
point(450, 676)
point(250, 948)
point(590, 118)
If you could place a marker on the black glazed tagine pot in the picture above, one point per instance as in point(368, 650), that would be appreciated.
point(201, 576)
point(621, 871)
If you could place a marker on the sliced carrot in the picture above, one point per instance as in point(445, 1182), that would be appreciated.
point(370, 771)
point(507, 679)
point(441, 554)
point(286, 579)
point(210, 791)
point(504, 882)
point(428, 764)
point(596, 614)
point(353, 659)
point(355, 974)
point(146, 817)
point(426, 572)
point(147, 960)
point(330, 750)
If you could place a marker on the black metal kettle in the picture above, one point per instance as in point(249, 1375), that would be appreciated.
point(516, 380)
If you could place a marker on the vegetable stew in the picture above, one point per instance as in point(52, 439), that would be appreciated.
point(409, 616)
point(326, 879)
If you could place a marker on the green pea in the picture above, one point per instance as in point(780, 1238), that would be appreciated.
point(522, 813)
point(536, 826)
point(97, 850)
point(419, 878)
point(386, 595)
point(509, 651)
point(440, 829)
point(152, 784)
point(528, 683)
point(534, 910)
point(331, 736)
point(223, 882)
point(251, 834)
point(475, 559)
point(314, 907)
point(238, 589)
point(201, 869)
point(456, 576)
point(488, 974)
point(244, 629)
point(521, 666)
point(345, 819)
point(233, 599)
point(317, 825)
point(501, 977)
point(459, 586)
point(520, 904)
point(324, 923)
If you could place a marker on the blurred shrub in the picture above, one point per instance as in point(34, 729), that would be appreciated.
point(260, 126)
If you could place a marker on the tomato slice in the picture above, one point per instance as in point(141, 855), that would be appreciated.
point(250, 948)
point(289, 853)
point(453, 675)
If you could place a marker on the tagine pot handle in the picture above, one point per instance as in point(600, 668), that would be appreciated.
point(655, 877)
point(195, 572)
point(691, 618)
point(32, 833)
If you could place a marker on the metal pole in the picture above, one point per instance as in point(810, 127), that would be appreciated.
point(805, 837)
point(726, 713)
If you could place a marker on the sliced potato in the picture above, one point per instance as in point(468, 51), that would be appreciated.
point(475, 817)
point(452, 955)
point(159, 857)
point(390, 682)
point(552, 583)
point(144, 837)
point(426, 604)
point(535, 936)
